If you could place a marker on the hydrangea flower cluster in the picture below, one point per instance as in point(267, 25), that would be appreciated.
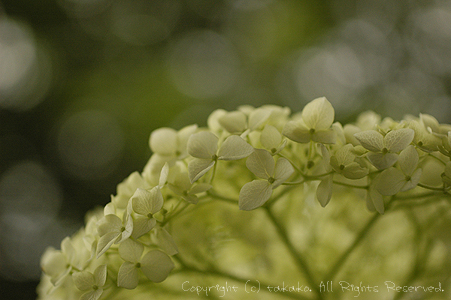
point(244, 157)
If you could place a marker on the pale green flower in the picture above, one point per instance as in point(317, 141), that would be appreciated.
point(112, 230)
point(91, 284)
point(182, 186)
point(58, 264)
point(155, 264)
point(393, 180)
point(203, 146)
point(272, 140)
point(343, 162)
point(238, 122)
point(315, 124)
point(169, 143)
point(255, 193)
point(446, 175)
point(145, 204)
point(126, 189)
point(384, 149)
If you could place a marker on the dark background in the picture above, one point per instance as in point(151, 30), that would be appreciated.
point(84, 82)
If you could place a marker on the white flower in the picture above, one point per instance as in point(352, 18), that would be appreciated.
point(169, 143)
point(271, 139)
point(343, 162)
point(182, 186)
point(91, 284)
point(237, 122)
point(145, 204)
point(384, 149)
point(155, 264)
point(315, 125)
point(393, 180)
point(112, 230)
point(57, 264)
point(126, 189)
point(204, 147)
point(254, 194)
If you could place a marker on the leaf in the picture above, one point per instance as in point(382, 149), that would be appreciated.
point(127, 276)
point(234, 148)
point(318, 114)
point(261, 163)
point(198, 167)
point(370, 140)
point(163, 141)
point(254, 194)
point(203, 144)
point(156, 265)
point(399, 139)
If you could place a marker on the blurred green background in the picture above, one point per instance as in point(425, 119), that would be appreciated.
point(84, 82)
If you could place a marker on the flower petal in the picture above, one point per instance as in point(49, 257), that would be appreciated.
point(105, 242)
point(377, 200)
point(261, 163)
point(142, 225)
point(165, 241)
point(233, 148)
point(382, 161)
point(344, 155)
point(413, 182)
point(156, 265)
point(254, 194)
point(100, 274)
point(297, 132)
point(257, 117)
point(130, 250)
point(270, 137)
point(324, 191)
point(354, 171)
point(282, 172)
point(198, 167)
point(92, 295)
point(127, 276)
point(390, 182)
point(203, 144)
point(408, 160)
point(233, 122)
point(145, 202)
point(370, 140)
point(83, 280)
point(399, 139)
point(163, 141)
point(318, 114)
point(325, 136)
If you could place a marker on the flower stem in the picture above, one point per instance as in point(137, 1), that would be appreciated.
point(302, 264)
point(336, 267)
point(188, 268)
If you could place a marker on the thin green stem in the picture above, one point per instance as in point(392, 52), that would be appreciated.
point(365, 187)
point(359, 238)
point(263, 285)
point(302, 264)
point(222, 198)
point(430, 187)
